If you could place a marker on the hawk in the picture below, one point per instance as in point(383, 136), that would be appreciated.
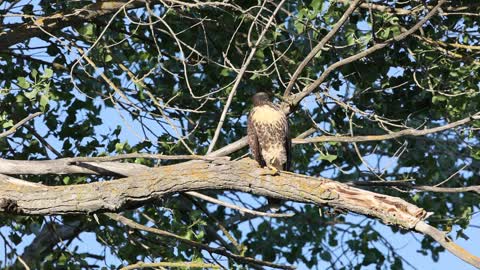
point(268, 136)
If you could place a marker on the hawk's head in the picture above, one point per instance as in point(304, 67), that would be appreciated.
point(260, 98)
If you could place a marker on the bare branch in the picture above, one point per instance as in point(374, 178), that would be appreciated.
point(447, 243)
point(19, 124)
point(48, 237)
point(385, 8)
point(132, 224)
point(309, 89)
point(241, 209)
point(320, 45)
point(231, 148)
point(402, 133)
point(59, 20)
point(409, 185)
point(66, 166)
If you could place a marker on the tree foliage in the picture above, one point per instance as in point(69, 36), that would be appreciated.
point(117, 77)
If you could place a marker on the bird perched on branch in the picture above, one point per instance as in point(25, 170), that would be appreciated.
point(268, 137)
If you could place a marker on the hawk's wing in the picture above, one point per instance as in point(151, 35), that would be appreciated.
point(254, 143)
point(288, 147)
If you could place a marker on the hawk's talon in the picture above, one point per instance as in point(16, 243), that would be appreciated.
point(271, 171)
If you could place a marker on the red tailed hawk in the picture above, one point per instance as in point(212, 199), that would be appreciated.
point(268, 135)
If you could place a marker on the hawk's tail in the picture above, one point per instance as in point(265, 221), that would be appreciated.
point(274, 204)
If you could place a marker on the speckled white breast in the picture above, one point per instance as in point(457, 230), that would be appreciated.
point(267, 115)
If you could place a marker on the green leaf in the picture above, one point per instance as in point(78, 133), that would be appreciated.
point(476, 155)
point(225, 72)
point(87, 30)
point(437, 99)
point(259, 54)
point(7, 124)
point(299, 26)
point(31, 94)
point(66, 180)
point(316, 5)
point(122, 147)
point(48, 73)
point(43, 102)
point(22, 82)
point(326, 256)
point(15, 238)
point(189, 235)
point(350, 39)
point(327, 157)
point(200, 235)
point(34, 73)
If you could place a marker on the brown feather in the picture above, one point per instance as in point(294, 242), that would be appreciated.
point(268, 136)
point(253, 142)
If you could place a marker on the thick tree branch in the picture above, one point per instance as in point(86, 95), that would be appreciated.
point(60, 20)
point(156, 183)
point(243, 175)
point(68, 166)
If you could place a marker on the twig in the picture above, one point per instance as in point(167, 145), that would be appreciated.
point(309, 89)
point(448, 244)
point(384, 8)
point(236, 207)
point(320, 46)
point(19, 124)
point(402, 133)
point(237, 248)
point(132, 224)
point(158, 105)
point(409, 185)
point(43, 141)
point(24, 264)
